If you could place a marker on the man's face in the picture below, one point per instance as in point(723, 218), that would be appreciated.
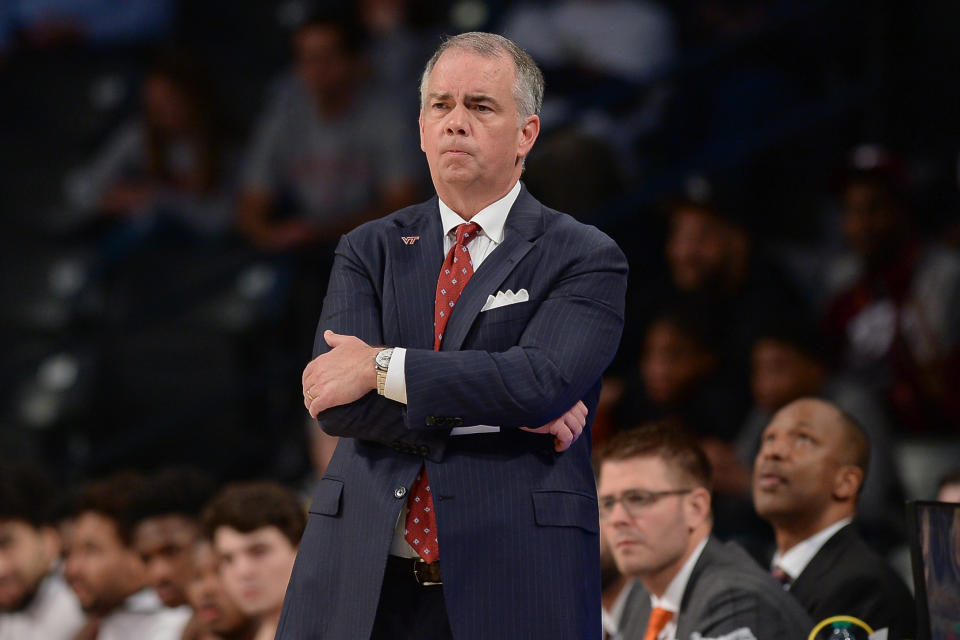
point(781, 374)
point(26, 554)
point(656, 539)
point(321, 62)
point(871, 222)
point(255, 567)
point(697, 248)
point(795, 469)
point(165, 105)
point(164, 546)
point(100, 568)
point(672, 363)
point(469, 127)
point(207, 596)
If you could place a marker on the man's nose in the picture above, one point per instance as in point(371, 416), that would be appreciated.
point(772, 448)
point(456, 122)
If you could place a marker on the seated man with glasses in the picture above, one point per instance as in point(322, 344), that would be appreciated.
point(654, 493)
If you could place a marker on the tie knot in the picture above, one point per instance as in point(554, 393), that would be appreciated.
point(659, 618)
point(781, 576)
point(467, 232)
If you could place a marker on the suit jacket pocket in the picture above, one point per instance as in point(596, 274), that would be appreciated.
point(559, 508)
point(509, 312)
point(326, 499)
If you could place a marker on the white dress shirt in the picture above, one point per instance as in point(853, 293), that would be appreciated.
point(144, 617)
point(673, 596)
point(796, 559)
point(53, 614)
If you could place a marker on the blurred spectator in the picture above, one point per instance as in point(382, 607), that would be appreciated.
point(44, 24)
point(790, 362)
point(806, 480)
point(713, 258)
point(654, 494)
point(396, 50)
point(949, 489)
point(106, 572)
point(167, 515)
point(217, 616)
point(35, 602)
point(256, 529)
point(597, 57)
point(169, 168)
point(330, 152)
point(895, 318)
point(628, 39)
point(679, 379)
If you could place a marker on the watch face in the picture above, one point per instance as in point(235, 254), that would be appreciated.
point(383, 358)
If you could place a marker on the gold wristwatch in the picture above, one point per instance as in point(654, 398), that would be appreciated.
point(383, 363)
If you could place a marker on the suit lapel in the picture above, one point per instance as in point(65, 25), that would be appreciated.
point(415, 267)
point(684, 623)
point(524, 224)
point(821, 564)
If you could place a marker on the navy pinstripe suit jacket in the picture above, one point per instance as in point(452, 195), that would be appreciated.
point(517, 522)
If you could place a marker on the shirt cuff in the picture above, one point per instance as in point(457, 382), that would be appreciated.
point(395, 386)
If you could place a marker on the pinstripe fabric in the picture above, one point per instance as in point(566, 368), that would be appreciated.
point(518, 522)
point(727, 591)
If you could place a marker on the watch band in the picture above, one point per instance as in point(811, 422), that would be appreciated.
point(382, 362)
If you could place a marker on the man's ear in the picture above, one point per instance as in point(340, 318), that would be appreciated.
point(527, 135)
point(420, 127)
point(847, 482)
point(697, 507)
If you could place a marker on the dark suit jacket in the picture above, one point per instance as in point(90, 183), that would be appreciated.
point(847, 577)
point(726, 592)
point(517, 522)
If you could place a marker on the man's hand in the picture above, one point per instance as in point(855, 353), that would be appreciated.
point(565, 429)
point(342, 375)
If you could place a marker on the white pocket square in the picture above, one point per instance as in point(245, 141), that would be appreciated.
point(503, 298)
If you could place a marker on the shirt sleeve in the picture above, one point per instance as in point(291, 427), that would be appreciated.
point(395, 387)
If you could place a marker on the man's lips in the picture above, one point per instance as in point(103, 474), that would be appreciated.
point(209, 612)
point(626, 543)
point(770, 480)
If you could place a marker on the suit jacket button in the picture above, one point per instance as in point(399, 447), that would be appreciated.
point(424, 450)
point(399, 492)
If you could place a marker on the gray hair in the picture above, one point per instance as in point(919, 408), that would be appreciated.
point(528, 83)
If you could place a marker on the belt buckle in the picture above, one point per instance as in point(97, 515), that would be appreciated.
point(416, 575)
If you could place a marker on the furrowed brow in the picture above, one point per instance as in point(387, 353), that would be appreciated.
point(476, 98)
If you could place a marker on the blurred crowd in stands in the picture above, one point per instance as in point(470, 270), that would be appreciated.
point(782, 175)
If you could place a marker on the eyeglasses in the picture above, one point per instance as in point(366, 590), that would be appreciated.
point(634, 502)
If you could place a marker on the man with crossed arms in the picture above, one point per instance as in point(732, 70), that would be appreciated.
point(448, 327)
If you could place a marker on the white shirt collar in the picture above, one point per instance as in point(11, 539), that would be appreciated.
point(491, 218)
point(794, 561)
point(673, 596)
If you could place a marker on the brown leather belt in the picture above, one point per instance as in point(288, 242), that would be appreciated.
point(425, 575)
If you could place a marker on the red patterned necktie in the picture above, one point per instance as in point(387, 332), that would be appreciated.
point(421, 523)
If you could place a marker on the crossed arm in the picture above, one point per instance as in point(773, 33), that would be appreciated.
point(346, 373)
point(562, 352)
